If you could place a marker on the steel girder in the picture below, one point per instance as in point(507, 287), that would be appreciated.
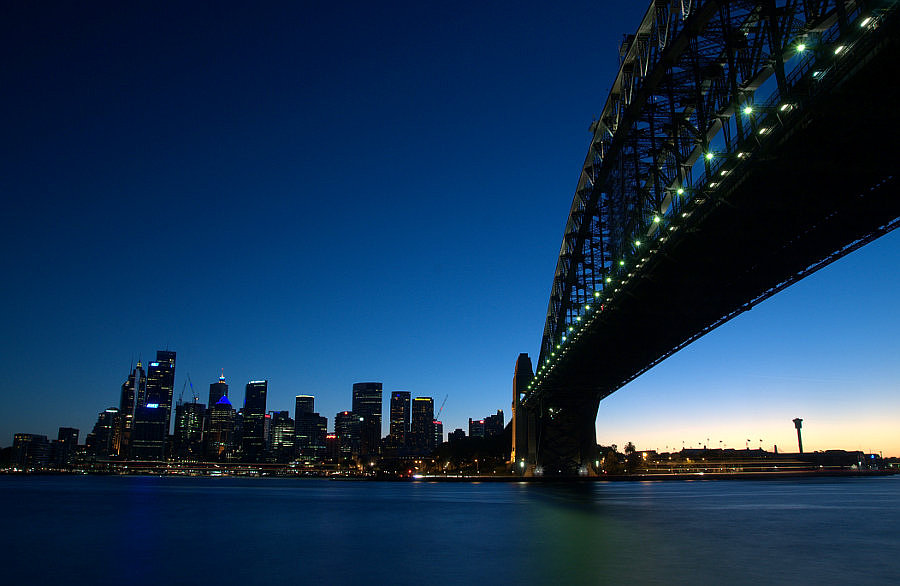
point(685, 77)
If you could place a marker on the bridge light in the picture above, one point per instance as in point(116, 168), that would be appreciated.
point(713, 184)
point(801, 47)
point(609, 279)
point(838, 50)
point(741, 155)
point(785, 107)
point(578, 318)
point(557, 346)
point(865, 21)
point(587, 307)
point(680, 191)
point(571, 328)
point(724, 172)
point(553, 354)
point(656, 219)
point(597, 293)
point(763, 130)
point(748, 110)
point(637, 242)
point(710, 156)
point(621, 263)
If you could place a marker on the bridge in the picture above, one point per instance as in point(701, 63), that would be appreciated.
point(743, 146)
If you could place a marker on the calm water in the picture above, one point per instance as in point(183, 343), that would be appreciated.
point(138, 530)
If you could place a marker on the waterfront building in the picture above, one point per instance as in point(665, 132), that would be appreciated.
point(254, 421)
point(148, 439)
point(104, 441)
point(421, 432)
point(160, 384)
point(218, 389)
point(64, 448)
point(347, 430)
point(133, 393)
point(189, 426)
point(29, 451)
point(399, 423)
point(220, 432)
point(309, 435)
point(368, 406)
point(281, 436)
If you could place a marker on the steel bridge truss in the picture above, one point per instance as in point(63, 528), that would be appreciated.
point(701, 86)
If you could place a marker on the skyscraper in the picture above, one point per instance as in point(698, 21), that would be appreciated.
point(347, 428)
point(134, 391)
point(399, 424)
point(421, 430)
point(103, 442)
point(254, 411)
point(148, 439)
point(189, 426)
point(304, 404)
point(281, 436)
point(438, 427)
point(367, 405)
point(66, 445)
point(220, 433)
point(309, 435)
point(161, 383)
point(218, 389)
point(493, 425)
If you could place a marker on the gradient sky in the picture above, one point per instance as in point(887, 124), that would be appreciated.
point(320, 194)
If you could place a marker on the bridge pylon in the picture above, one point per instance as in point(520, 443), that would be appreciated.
point(552, 437)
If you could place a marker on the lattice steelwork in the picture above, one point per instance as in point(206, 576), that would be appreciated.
point(702, 84)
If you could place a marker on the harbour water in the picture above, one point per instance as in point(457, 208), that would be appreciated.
point(150, 530)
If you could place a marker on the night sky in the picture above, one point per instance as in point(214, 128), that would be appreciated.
point(321, 194)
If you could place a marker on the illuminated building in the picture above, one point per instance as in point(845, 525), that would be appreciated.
point(493, 425)
point(281, 436)
point(64, 448)
point(346, 428)
point(103, 441)
point(476, 427)
point(303, 404)
point(134, 391)
point(421, 432)
point(399, 424)
point(29, 451)
point(218, 389)
point(254, 421)
point(148, 439)
point(438, 432)
point(160, 384)
point(309, 435)
point(220, 432)
point(367, 405)
point(189, 424)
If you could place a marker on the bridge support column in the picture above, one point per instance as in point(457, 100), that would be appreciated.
point(566, 437)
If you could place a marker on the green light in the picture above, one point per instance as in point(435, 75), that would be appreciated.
point(621, 263)
point(557, 346)
point(637, 242)
point(656, 219)
point(680, 191)
point(609, 279)
point(748, 110)
point(801, 47)
point(571, 328)
point(710, 156)
point(597, 293)
point(587, 307)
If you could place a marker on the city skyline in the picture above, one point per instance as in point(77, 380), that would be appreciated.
point(327, 197)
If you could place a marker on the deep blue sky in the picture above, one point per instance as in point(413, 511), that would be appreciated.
point(324, 194)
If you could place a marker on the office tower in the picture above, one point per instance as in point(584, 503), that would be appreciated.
point(438, 433)
point(347, 430)
point(399, 424)
point(254, 421)
point(456, 435)
point(160, 384)
point(310, 430)
point(493, 425)
point(189, 424)
point(220, 430)
point(304, 404)
point(476, 427)
point(148, 438)
point(332, 447)
point(281, 438)
point(367, 405)
point(218, 389)
point(421, 432)
point(66, 445)
point(29, 452)
point(104, 441)
point(134, 391)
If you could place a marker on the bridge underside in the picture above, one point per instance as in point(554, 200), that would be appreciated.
point(825, 188)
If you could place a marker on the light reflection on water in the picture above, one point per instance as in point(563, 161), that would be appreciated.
point(144, 530)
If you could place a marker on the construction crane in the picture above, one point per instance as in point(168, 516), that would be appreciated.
point(437, 417)
point(194, 395)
